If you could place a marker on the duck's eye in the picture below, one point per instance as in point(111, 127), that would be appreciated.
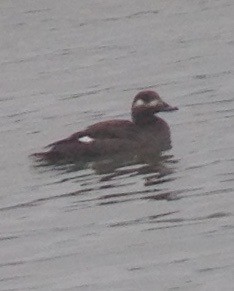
point(154, 103)
point(139, 102)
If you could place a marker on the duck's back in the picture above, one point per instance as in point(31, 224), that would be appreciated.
point(100, 139)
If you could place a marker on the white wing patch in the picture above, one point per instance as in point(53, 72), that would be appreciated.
point(139, 102)
point(86, 139)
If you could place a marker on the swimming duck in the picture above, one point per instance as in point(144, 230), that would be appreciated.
point(145, 133)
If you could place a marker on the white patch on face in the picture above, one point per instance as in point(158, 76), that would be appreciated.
point(139, 103)
point(154, 102)
point(86, 139)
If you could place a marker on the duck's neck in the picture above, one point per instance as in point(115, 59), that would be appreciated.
point(143, 118)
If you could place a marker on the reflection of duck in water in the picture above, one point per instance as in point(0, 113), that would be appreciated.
point(145, 134)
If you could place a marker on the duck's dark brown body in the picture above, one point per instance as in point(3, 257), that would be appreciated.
point(145, 133)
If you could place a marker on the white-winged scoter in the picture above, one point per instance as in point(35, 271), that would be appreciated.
point(145, 133)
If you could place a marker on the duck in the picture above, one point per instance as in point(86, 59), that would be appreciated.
point(145, 133)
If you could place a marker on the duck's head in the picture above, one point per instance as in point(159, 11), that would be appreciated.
point(147, 103)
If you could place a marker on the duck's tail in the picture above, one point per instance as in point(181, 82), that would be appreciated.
point(45, 156)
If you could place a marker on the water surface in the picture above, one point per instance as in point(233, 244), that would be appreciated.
point(67, 64)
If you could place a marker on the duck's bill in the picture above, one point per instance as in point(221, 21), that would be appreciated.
point(167, 107)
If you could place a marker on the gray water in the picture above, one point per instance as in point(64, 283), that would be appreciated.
point(67, 64)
